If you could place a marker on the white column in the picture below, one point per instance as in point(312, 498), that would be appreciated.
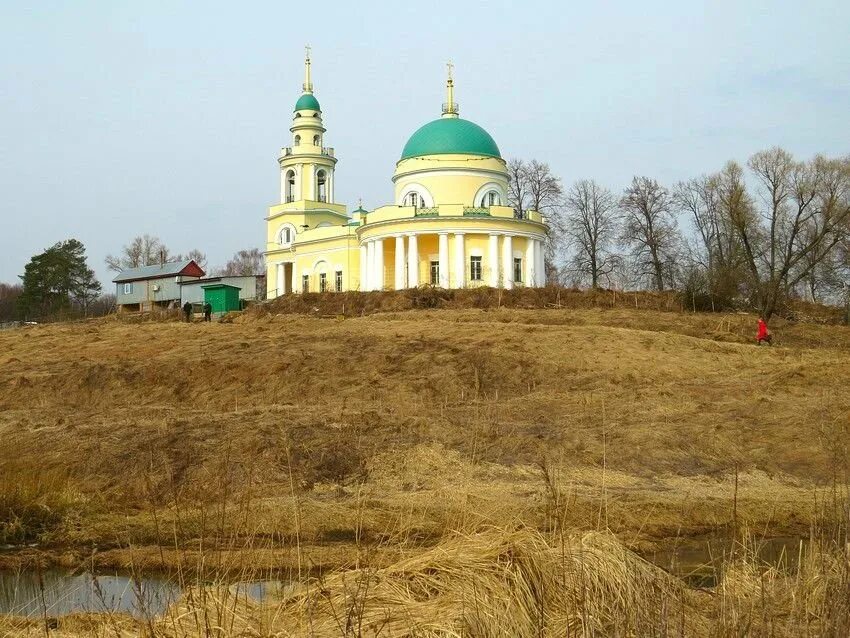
point(508, 262)
point(444, 259)
point(530, 262)
point(399, 263)
point(493, 260)
point(364, 267)
point(379, 264)
point(541, 263)
point(279, 287)
point(459, 266)
point(295, 287)
point(370, 265)
point(330, 186)
point(412, 261)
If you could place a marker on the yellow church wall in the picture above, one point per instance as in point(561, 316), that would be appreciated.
point(451, 179)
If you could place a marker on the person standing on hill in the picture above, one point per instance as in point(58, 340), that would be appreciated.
point(187, 312)
point(208, 311)
point(763, 334)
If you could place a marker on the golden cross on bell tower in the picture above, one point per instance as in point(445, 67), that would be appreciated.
point(308, 84)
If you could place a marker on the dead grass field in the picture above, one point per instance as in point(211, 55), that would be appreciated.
point(288, 441)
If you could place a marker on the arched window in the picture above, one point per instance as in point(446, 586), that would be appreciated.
point(322, 186)
point(286, 236)
point(297, 141)
point(491, 198)
point(315, 140)
point(413, 199)
point(290, 186)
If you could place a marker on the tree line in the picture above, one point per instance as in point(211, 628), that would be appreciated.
point(58, 283)
point(749, 236)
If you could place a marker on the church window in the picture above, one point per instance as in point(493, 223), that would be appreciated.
point(315, 140)
point(305, 283)
point(435, 273)
point(518, 269)
point(321, 186)
point(491, 198)
point(297, 141)
point(323, 282)
point(413, 199)
point(338, 281)
point(286, 236)
point(475, 268)
point(290, 186)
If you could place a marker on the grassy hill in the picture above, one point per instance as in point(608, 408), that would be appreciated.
point(301, 440)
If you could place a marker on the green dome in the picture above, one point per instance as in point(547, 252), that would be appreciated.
point(450, 135)
point(309, 102)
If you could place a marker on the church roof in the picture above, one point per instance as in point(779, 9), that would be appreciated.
point(450, 135)
point(307, 101)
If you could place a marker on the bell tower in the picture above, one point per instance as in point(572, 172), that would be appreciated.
point(307, 166)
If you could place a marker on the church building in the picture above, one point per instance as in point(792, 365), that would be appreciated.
point(449, 224)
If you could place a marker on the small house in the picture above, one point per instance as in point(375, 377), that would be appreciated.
point(157, 286)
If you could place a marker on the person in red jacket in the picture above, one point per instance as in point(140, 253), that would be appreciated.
point(763, 334)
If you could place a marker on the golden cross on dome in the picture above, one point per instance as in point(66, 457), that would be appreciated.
point(450, 67)
point(307, 50)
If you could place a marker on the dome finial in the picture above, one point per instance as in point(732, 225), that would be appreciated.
point(450, 107)
point(308, 84)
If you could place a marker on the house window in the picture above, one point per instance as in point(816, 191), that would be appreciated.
point(323, 282)
point(518, 269)
point(128, 289)
point(338, 281)
point(435, 273)
point(475, 268)
point(305, 283)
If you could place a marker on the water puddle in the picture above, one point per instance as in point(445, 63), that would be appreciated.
point(56, 593)
point(700, 563)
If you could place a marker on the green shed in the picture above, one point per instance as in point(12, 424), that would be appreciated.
point(222, 297)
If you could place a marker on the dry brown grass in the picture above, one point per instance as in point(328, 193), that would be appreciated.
point(286, 442)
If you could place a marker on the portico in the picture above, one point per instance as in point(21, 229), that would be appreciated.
point(498, 259)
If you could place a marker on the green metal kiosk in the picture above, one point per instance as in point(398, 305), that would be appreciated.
point(222, 297)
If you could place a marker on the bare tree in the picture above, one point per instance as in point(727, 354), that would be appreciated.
point(591, 227)
point(143, 250)
point(803, 215)
point(517, 186)
point(245, 263)
point(718, 255)
point(649, 229)
point(533, 187)
point(195, 255)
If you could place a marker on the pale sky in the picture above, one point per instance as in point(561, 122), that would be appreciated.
point(119, 118)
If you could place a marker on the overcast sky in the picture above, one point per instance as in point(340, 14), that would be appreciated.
point(121, 118)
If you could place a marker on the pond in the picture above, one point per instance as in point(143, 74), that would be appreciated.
point(700, 563)
point(56, 593)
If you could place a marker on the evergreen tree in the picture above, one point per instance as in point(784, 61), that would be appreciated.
point(58, 280)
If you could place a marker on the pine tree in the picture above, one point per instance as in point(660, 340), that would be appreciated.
point(58, 280)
